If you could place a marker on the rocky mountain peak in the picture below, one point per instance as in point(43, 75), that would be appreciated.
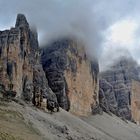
point(21, 21)
point(21, 73)
point(71, 76)
point(67, 79)
point(120, 77)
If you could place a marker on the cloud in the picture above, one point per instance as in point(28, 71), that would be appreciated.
point(111, 53)
point(123, 32)
point(58, 18)
point(122, 40)
point(87, 20)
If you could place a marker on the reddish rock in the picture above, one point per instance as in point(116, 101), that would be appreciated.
point(71, 76)
point(21, 73)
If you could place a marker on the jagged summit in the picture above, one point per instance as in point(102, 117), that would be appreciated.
point(21, 21)
point(120, 78)
point(61, 81)
point(21, 74)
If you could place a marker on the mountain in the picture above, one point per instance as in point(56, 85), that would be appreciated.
point(67, 79)
point(21, 73)
point(116, 87)
point(56, 92)
point(71, 76)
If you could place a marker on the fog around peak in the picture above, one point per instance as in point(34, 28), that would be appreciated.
point(86, 20)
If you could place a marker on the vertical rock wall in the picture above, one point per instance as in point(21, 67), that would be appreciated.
point(135, 101)
point(71, 76)
point(68, 71)
point(21, 73)
point(82, 84)
point(15, 52)
point(117, 96)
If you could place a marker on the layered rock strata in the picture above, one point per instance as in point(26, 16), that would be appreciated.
point(21, 72)
point(70, 79)
point(71, 76)
point(135, 101)
point(115, 87)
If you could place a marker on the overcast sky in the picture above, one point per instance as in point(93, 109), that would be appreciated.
point(109, 28)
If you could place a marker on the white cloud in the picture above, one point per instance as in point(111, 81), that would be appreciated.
point(86, 19)
point(123, 32)
point(121, 40)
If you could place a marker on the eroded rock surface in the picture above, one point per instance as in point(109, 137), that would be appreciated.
point(21, 73)
point(115, 87)
point(71, 76)
point(15, 46)
point(135, 101)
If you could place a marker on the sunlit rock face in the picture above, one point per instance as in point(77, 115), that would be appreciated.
point(135, 101)
point(21, 73)
point(14, 55)
point(119, 77)
point(71, 76)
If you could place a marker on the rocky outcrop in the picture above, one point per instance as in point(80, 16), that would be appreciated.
point(41, 90)
point(21, 73)
point(15, 53)
point(71, 76)
point(115, 87)
point(135, 101)
point(107, 98)
point(70, 79)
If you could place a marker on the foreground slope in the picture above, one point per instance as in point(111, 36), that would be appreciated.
point(18, 121)
point(114, 127)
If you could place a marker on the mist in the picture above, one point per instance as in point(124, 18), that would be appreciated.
point(56, 19)
point(85, 20)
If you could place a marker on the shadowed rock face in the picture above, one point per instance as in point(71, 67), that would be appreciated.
point(21, 21)
point(119, 77)
point(107, 98)
point(21, 73)
point(40, 85)
point(54, 63)
point(71, 76)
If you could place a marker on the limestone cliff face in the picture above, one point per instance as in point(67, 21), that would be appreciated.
point(71, 76)
point(21, 73)
point(117, 98)
point(82, 84)
point(135, 101)
point(67, 78)
point(14, 56)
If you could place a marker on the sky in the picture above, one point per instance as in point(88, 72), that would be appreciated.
point(108, 28)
